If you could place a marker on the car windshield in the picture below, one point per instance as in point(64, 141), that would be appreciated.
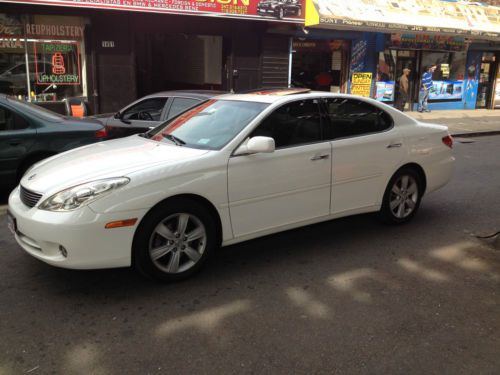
point(210, 125)
point(35, 110)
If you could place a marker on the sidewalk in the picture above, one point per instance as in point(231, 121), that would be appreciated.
point(463, 122)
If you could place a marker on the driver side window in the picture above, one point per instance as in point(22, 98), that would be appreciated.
point(147, 110)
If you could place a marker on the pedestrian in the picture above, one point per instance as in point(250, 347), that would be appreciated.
point(403, 90)
point(423, 95)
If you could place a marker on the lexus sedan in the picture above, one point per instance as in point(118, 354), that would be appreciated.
point(234, 168)
point(150, 111)
point(29, 133)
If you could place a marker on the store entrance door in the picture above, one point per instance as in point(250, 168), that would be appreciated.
point(401, 64)
point(486, 80)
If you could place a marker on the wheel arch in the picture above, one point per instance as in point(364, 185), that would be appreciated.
point(417, 168)
point(203, 202)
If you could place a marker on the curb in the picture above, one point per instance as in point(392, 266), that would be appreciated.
point(476, 134)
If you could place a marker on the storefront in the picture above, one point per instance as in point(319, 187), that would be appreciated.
point(415, 35)
point(42, 57)
point(418, 52)
point(110, 53)
point(320, 64)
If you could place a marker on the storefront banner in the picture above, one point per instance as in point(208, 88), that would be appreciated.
point(361, 84)
point(385, 91)
point(268, 10)
point(427, 42)
point(422, 16)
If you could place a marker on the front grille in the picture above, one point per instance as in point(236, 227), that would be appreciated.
point(29, 198)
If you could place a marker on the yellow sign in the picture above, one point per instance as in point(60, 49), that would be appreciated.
point(361, 84)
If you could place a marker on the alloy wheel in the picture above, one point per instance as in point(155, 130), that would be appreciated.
point(403, 196)
point(177, 243)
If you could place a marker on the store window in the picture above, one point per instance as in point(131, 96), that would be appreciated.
point(448, 78)
point(42, 57)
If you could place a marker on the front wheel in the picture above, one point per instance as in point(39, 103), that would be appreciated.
point(174, 240)
point(402, 197)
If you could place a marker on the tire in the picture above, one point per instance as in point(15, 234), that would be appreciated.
point(402, 197)
point(171, 255)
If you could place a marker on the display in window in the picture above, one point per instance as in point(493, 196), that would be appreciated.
point(57, 63)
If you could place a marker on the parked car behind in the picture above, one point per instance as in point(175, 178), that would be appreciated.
point(29, 133)
point(150, 111)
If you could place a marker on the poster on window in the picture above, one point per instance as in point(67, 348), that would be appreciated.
point(385, 91)
point(446, 90)
point(57, 63)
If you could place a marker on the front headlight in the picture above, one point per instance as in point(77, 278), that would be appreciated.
point(77, 196)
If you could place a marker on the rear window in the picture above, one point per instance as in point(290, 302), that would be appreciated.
point(35, 110)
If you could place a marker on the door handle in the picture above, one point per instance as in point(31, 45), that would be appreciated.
point(319, 157)
point(394, 145)
point(14, 142)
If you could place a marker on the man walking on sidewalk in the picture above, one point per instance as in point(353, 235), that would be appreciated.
point(423, 95)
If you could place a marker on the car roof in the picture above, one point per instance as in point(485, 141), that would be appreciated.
point(197, 94)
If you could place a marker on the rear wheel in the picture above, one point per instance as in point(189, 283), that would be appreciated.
point(402, 197)
point(174, 240)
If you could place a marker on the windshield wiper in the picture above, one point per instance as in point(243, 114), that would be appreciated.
point(143, 135)
point(173, 138)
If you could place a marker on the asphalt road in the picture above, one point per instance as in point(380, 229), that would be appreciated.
point(350, 296)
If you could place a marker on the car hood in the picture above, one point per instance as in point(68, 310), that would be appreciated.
point(114, 158)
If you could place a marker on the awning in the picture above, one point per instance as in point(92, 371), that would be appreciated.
point(416, 16)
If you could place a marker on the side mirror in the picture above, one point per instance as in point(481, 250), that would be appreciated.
point(256, 145)
point(119, 116)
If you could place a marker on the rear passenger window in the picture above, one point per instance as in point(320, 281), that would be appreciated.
point(180, 105)
point(11, 121)
point(351, 117)
point(292, 124)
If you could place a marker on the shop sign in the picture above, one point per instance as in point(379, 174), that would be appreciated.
point(320, 45)
point(55, 31)
point(427, 41)
point(57, 63)
point(11, 31)
point(268, 10)
point(361, 84)
point(422, 16)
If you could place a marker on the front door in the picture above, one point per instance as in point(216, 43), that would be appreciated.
point(486, 81)
point(288, 186)
point(17, 137)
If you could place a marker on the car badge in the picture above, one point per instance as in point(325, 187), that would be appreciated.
point(31, 177)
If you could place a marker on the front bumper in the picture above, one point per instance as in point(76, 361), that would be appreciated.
point(88, 245)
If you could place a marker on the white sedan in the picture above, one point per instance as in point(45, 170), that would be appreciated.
point(234, 168)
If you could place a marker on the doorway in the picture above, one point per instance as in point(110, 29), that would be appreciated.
point(487, 77)
point(407, 60)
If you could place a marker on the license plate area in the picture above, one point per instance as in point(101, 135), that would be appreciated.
point(11, 223)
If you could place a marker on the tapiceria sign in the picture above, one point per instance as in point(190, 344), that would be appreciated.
point(57, 63)
point(269, 10)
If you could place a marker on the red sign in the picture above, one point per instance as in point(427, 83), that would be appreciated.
point(269, 10)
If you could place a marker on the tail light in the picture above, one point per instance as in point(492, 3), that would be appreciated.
point(101, 133)
point(448, 141)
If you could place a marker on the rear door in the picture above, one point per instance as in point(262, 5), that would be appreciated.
point(17, 137)
point(366, 150)
point(137, 118)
